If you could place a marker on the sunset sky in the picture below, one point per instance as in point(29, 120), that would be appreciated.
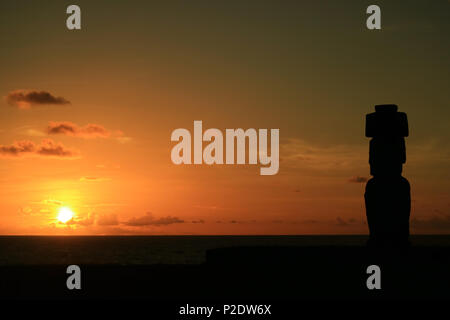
point(86, 116)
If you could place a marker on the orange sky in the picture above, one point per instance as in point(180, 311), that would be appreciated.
point(135, 72)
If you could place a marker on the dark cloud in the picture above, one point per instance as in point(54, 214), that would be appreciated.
point(242, 221)
point(47, 148)
point(198, 221)
point(18, 148)
point(24, 99)
point(50, 148)
point(71, 129)
point(358, 179)
point(149, 220)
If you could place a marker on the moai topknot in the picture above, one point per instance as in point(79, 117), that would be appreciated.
point(387, 196)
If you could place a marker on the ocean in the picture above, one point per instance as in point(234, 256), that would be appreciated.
point(153, 250)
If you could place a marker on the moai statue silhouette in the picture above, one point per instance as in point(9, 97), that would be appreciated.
point(387, 196)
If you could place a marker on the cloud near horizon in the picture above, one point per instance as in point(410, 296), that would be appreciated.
point(437, 222)
point(89, 219)
point(47, 148)
point(107, 220)
point(341, 222)
point(149, 220)
point(25, 99)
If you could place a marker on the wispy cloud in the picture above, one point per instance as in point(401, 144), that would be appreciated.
point(94, 179)
point(52, 202)
point(297, 153)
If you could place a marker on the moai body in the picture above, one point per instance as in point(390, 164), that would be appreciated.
point(387, 196)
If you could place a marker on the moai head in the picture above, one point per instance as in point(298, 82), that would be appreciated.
point(388, 128)
point(386, 121)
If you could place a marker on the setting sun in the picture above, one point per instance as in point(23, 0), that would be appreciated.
point(65, 214)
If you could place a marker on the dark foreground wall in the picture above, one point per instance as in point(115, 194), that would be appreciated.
point(249, 273)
